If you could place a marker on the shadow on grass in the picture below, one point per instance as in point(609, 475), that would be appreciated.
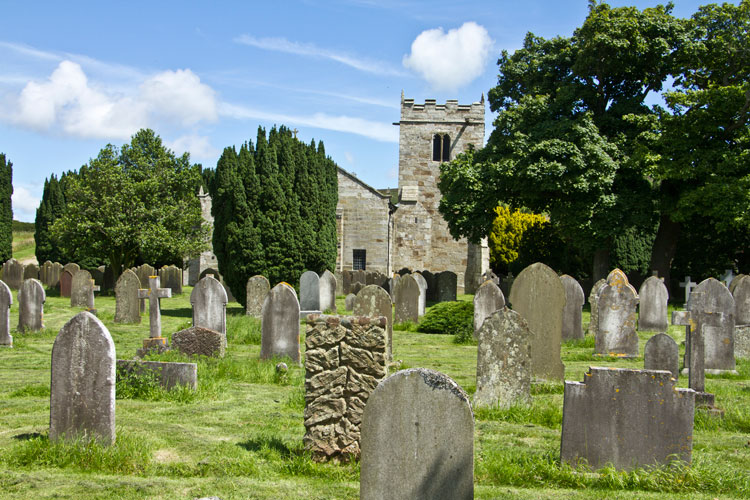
point(262, 443)
point(27, 436)
point(184, 312)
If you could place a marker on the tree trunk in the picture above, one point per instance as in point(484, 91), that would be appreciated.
point(601, 264)
point(665, 246)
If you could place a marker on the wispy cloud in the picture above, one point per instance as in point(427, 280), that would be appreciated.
point(25, 201)
point(280, 44)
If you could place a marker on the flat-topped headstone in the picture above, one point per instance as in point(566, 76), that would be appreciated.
point(171, 277)
point(81, 289)
point(374, 302)
point(256, 290)
point(6, 300)
point(13, 274)
point(66, 283)
point(127, 304)
point(741, 292)
point(327, 291)
point(406, 300)
point(503, 360)
point(661, 353)
point(31, 271)
point(349, 301)
point(31, 298)
point(209, 301)
point(617, 335)
point(417, 439)
point(199, 341)
point(447, 286)
point(422, 293)
point(652, 308)
point(488, 299)
point(280, 324)
point(712, 308)
point(593, 303)
point(572, 328)
point(309, 291)
point(627, 418)
point(539, 296)
point(82, 391)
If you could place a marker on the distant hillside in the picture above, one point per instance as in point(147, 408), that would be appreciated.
point(24, 246)
point(19, 226)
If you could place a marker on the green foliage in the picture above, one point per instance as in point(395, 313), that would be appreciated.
point(6, 208)
point(448, 318)
point(242, 329)
point(508, 230)
point(22, 227)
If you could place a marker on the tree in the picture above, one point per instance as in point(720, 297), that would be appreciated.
point(6, 208)
point(139, 200)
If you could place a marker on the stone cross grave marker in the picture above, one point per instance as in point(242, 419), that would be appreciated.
point(255, 292)
point(652, 309)
point(572, 313)
point(127, 305)
point(488, 299)
point(280, 323)
point(712, 304)
point(373, 302)
point(153, 294)
point(209, 301)
point(31, 298)
point(695, 352)
point(6, 300)
point(661, 353)
point(327, 291)
point(617, 335)
point(688, 286)
point(309, 291)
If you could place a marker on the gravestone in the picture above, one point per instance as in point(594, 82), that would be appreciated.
point(345, 359)
point(695, 348)
point(369, 278)
point(6, 300)
point(431, 285)
point(417, 439)
point(66, 282)
point(50, 274)
point(31, 298)
point(360, 276)
point(735, 282)
point(539, 296)
point(349, 301)
point(167, 374)
point(406, 300)
point(309, 291)
point(741, 342)
point(688, 285)
point(327, 291)
point(488, 299)
point(13, 274)
point(98, 276)
point(392, 286)
point(422, 293)
point(171, 277)
point(72, 268)
point(82, 392)
point(81, 289)
point(652, 309)
point(712, 309)
point(491, 276)
point(144, 272)
point(741, 294)
point(596, 290)
point(280, 324)
point(627, 418)
point(127, 305)
point(154, 293)
point(503, 360)
point(209, 302)
point(199, 341)
point(572, 327)
point(374, 302)
point(346, 277)
point(617, 335)
point(256, 290)
point(447, 283)
point(662, 353)
point(31, 272)
point(339, 283)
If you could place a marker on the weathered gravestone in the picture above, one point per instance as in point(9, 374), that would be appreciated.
point(280, 324)
point(695, 349)
point(154, 293)
point(359, 276)
point(652, 309)
point(617, 335)
point(72, 268)
point(596, 290)
point(447, 285)
point(417, 439)
point(345, 359)
point(392, 282)
point(431, 285)
point(6, 300)
point(346, 277)
point(13, 274)
point(50, 274)
point(503, 360)
point(406, 300)
point(31, 298)
point(31, 272)
point(735, 282)
point(66, 283)
point(327, 291)
point(171, 277)
point(309, 291)
point(209, 301)
point(127, 304)
point(82, 290)
point(627, 418)
point(741, 296)
point(82, 392)
point(199, 341)
point(742, 342)
point(339, 282)
point(661, 353)
point(167, 374)
point(374, 302)
point(422, 293)
point(349, 301)
point(712, 309)
point(572, 327)
point(356, 287)
point(538, 295)
point(488, 299)
point(144, 272)
point(255, 292)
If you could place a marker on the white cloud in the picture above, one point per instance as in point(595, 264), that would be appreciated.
point(450, 60)
point(180, 95)
point(24, 204)
point(349, 157)
point(198, 146)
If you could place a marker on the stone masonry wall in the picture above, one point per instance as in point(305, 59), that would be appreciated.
point(344, 362)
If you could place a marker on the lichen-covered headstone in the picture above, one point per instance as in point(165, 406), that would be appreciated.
point(741, 293)
point(572, 313)
point(327, 291)
point(406, 300)
point(171, 277)
point(503, 360)
point(712, 309)
point(31, 298)
point(374, 302)
point(127, 304)
point(596, 290)
point(661, 353)
point(344, 362)
point(488, 299)
point(447, 286)
point(6, 300)
point(81, 289)
point(417, 439)
point(349, 301)
point(422, 293)
point(280, 324)
point(199, 341)
point(627, 418)
point(538, 295)
point(652, 308)
point(13, 274)
point(82, 391)
point(209, 301)
point(256, 290)
point(309, 291)
point(617, 335)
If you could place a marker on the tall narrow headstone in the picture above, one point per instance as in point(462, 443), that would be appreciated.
point(6, 300)
point(280, 324)
point(31, 298)
point(327, 291)
point(572, 327)
point(447, 286)
point(82, 392)
point(662, 353)
point(309, 291)
point(127, 306)
point(255, 292)
point(652, 309)
point(346, 276)
point(596, 290)
point(741, 292)
point(406, 300)
point(538, 295)
point(712, 309)
point(422, 293)
point(209, 301)
point(431, 285)
point(66, 283)
point(374, 302)
point(417, 439)
point(617, 335)
point(349, 301)
point(488, 299)
point(81, 289)
point(13, 274)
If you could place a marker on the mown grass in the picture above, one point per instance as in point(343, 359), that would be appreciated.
point(24, 245)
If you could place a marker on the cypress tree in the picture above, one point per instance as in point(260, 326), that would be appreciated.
point(6, 209)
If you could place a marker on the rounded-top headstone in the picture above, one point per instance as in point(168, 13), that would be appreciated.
point(417, 439)
point(662, 353)
point(422, 292)
point(652, 308)
point(373, 301)
point(80, 289)
point(31, 298)
point(447, 286)
point(406, 300)
point(572, 315)
point(256, 290)
point(617, 335)
point(712, 307)
point(209, 301)
point(349, 301)
point(309, 291)
point(734, 284)
point(327, 291)
point(127, 305)
point(280, 324)
point(488, 299)
point(593, 302)
point(13, 273)
point(6, 300)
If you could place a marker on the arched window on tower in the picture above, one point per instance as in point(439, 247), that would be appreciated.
point(441, 147)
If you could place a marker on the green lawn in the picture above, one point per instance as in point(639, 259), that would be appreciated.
point(23, 244)
point(240, 434)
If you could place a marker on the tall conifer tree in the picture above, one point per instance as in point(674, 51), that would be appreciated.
point(6, 208)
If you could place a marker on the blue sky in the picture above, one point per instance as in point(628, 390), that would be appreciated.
point(75, 76)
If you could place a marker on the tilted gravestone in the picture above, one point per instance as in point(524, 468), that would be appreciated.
point(199, 341)
point(309, 291)
point(6, 300)
point(280, 324)
point(31, 272)
point(596, 290)
point(345, 359)
point(538, 295)
point(31, 298)
point(13, 274)
point(503, 360)
point(349, 301)
point(652, 308)
point(127, 304)
point(422, 293)
point(374, 302)
point(417, 439)
point(627, 418)
point(209, 301)
point(406, 300)
point(447, 286)
point(255, 292)
point(617, 335)
point(741, 294)
point(82, 392)
point(712, 309)
point(82, 290)
point(66, 283)
point(488, 299)
point(661, 353)
point(171, 277)
point(327, 291)
point(572, 327)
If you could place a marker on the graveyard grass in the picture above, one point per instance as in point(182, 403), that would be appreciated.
point(240, 434)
